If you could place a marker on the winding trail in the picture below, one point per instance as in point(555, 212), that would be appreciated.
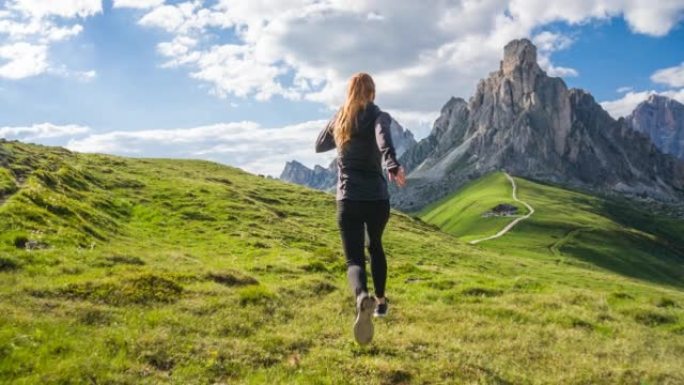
point(556, 246)
point(515, 221)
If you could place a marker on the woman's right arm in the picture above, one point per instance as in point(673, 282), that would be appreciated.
point(326, 140)
point(383, 138)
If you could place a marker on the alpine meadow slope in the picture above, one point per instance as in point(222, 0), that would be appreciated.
point(568, 226)
point(158, 271)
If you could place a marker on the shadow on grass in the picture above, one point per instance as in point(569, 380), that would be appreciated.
point(629, 254)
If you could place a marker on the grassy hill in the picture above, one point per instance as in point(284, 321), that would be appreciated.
point(567, 226)
point(117, 271)
point(461, 214)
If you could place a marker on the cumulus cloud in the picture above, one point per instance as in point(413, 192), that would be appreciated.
point(626, 104)
point(23, 60)
point(420, 53)
point(29, 27)
point(62, 8)
point(672, 76)
point(547, 43)
point(42, 131)
point(139, 4)
point(245, 144)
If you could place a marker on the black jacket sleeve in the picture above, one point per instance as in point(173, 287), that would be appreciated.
point(383, 137)
point(326, 140)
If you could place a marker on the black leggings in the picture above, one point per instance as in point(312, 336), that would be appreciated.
point(351, 218)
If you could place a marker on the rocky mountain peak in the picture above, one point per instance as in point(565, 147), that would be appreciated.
point(662, 120)
point(657, 99)
point(530, 124)
point(519, 53)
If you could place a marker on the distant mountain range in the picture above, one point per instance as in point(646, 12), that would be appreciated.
point(530, 124)
point(662, 119)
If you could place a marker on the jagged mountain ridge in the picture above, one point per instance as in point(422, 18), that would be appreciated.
point(662, 119)
point(323, 178)
point(531, 125)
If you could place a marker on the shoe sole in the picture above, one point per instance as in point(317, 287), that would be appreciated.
point(363, 327)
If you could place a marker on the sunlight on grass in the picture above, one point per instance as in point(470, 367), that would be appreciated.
point(154, 271)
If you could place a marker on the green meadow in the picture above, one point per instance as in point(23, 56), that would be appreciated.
point(158, 271)
point(568, 226)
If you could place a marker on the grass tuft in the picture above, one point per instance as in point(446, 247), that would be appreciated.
point(481, 292)
point(8, 264)
point(255, 295)
point(654, 318)
point(232, 278)
point(143, 289)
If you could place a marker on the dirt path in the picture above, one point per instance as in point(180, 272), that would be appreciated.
point(515, 221)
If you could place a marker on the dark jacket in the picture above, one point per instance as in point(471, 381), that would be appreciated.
point(359, 165)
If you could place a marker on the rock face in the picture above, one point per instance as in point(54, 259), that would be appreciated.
point(662, 119)
point(325, 178)
point(296, 172)
point(531, 125)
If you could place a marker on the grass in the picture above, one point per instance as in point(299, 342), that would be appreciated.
point(569, 227)
point(461, 214)
point(157, 271)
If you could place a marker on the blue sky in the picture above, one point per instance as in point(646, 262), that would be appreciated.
point(250, 83)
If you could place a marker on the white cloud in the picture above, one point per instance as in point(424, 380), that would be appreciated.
point(82, 76)
point(42, 131)
point(547, 43)
point(233, 70)
point(61, 8)
point(138, 4)
point(420, 53)
point(625, 105)
point(672, 76)
point(624, 89)
point(28, 28)
point(655, 19)
point(185, 18)
point(243, 144)
point(22, 60)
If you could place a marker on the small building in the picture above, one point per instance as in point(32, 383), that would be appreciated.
point(502, 210)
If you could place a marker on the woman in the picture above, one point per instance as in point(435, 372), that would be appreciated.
point(361, 133)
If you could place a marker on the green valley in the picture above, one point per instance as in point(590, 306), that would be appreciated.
point(568, 227)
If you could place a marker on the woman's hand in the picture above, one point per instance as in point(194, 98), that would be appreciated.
point(399, 178)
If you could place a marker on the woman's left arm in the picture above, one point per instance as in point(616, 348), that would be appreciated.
point(326, 140)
